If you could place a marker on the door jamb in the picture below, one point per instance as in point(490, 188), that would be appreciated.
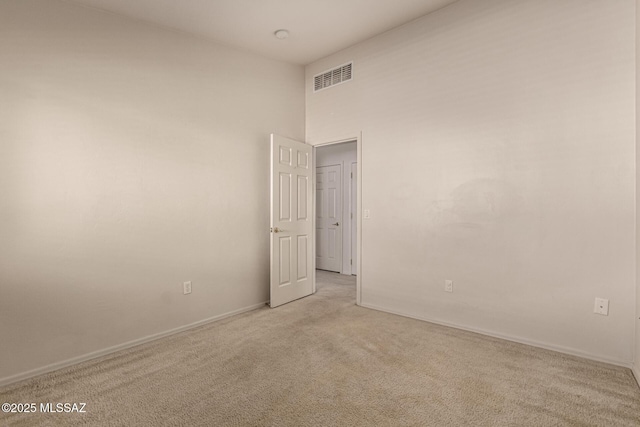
point(358, 140)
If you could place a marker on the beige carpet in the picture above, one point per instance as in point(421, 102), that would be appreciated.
point(322, 361)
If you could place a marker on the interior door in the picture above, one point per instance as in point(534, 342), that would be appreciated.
point(291, 220)
point(328, 218)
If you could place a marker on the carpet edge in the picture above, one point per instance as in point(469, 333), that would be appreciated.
point(533, 343)
point(636, 374)
point(109, 350)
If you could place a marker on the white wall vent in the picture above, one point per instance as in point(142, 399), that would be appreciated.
point(332, 77)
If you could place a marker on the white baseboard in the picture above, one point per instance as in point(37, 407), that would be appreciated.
point(636, 373)
point(99, 353)
point(533, 343)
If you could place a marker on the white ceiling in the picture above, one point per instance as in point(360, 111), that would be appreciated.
point(317, 27)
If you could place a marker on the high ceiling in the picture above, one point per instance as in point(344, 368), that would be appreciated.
point(317, 27)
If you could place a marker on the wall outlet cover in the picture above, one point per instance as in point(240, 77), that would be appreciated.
point(448, 285)
point(186, 288)
point(601, 306)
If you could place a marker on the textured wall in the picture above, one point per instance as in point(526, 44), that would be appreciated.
point(132, 158)
point(498, 152)
point(636, 360)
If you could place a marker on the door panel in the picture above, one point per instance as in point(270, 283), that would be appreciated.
point(285, 197)
point(285, 260)
point(291, 231)
point(285, 156)
point(303, 194)
point(303, 267)
point(303, 160)
point(331, 246)
point(328, 218)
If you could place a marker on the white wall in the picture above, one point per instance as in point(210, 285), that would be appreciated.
point(342, 154)
point(130, 158)
point(636, 360)
point(498, 146)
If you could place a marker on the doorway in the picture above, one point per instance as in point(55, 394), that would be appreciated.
point(336, 208)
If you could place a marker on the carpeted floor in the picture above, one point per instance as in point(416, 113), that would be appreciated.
point(322, 361)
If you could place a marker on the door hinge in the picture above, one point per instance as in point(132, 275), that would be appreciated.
point(350, 262)
point(351, 215)
point(351, 175)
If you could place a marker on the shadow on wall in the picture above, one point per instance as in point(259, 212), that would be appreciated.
point(474, 206)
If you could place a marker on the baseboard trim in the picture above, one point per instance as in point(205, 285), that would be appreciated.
point(99, 353)
point(533, 343)
point(636, 374)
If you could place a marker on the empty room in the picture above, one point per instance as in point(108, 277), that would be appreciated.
point(319, 212)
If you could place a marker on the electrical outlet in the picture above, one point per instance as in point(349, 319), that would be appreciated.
point(448, 285)
point(186, 287)
point(601, 306)
point(367, 214)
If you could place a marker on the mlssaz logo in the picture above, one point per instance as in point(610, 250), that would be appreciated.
point(63, 407)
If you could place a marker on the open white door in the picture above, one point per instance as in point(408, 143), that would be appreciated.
point(291, 220)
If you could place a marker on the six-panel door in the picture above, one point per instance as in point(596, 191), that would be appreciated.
point(328, 214)
point(291, 221)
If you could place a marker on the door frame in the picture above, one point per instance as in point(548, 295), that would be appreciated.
point(353, 217)
point(358, 140)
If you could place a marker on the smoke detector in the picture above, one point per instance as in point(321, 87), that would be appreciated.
point(281, 34)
